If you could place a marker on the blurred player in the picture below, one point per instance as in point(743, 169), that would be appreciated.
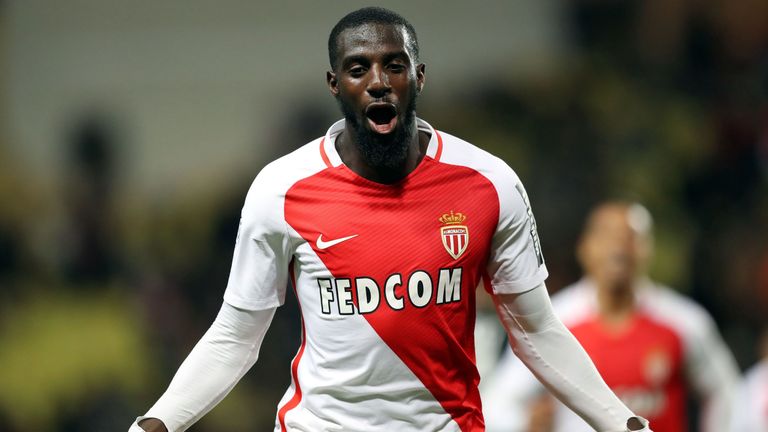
point(385, 226)
point(651, 345)
point(751, 407)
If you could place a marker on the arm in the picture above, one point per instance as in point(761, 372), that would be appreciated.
point(224, 354)
point(713, 374)
point(551, 352)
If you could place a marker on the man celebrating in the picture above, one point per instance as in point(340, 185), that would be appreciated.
point(652, 346)
point(385, 227)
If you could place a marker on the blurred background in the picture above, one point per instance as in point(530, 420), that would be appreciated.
point(130, 132)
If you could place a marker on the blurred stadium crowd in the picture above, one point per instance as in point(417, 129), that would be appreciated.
point(663, 102)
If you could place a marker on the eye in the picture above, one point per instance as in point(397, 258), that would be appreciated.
point(356, 71)
point(396, 67)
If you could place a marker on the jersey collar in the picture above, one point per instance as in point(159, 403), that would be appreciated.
point(332, 158)
point(643, 289)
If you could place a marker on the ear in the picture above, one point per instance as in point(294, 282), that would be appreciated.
point(333, 83)
point(420, 76)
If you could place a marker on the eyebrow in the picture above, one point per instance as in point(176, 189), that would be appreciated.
point(346, 61)
point(356, 58)
point(396, 55)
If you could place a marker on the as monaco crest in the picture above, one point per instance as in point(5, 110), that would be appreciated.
point(455, 235)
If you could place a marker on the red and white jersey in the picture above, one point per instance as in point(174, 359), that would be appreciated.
point(751, 409)
point(670, 346)
point(385, 278)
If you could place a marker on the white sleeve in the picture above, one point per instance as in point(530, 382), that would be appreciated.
point(259, 274)
point(751, 401)
point(557, 359)
point(744, 422)
point(713, 374)
point(516, 262)
point(224, 354)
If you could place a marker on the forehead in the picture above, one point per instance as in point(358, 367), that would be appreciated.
point(373, 37)
point(608, 218)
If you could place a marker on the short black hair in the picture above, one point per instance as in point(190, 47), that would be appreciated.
point(367, 15)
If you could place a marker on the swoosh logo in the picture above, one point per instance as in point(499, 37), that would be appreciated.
point(326, 244)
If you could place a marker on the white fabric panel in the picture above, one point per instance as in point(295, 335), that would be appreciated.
point(751, 402)
point(516, 263)
point(337, 382)
point(259, 273)
point(710, 367)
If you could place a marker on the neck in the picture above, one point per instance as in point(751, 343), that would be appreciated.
point(353, 158)
point(615, 304)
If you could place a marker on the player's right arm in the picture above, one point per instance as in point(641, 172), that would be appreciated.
point(257, 283)
point(224, 354)
point(711, 371)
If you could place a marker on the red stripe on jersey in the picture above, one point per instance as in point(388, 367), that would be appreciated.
point(487, 282)
point(439, 151)
point(397, 232)
point(291, 404)
point(323, 154)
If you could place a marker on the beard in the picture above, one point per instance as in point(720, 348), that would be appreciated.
point(383, 151)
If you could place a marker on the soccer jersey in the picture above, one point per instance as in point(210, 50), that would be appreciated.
point(385, 278)
point(667, 347)
point(751, 409)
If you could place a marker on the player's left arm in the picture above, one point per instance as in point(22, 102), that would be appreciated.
point(515, 277)
point(222, 356)
point(557, 359)
point(712, 372)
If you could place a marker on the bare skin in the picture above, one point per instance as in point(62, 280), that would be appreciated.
point(152, 425)
point(377, 67)
point(541, 414)
point(613, 252)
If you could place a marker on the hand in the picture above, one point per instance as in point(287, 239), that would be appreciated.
point(541, 413)
point(638, 424)
point(148, 425)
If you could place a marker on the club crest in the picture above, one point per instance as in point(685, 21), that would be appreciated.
point(657, 366)
point(455, 235)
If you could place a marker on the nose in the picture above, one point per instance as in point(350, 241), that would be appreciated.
point(378, 86)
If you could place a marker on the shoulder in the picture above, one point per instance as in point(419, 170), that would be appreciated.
point(279, 175)
point(757, 374)
point(574, 303)
point(680, 313)
point(288, 169)
point(457, 151)
point(512, 197)
point(267, 191)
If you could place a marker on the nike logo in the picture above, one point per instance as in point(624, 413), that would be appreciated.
point(326, 244)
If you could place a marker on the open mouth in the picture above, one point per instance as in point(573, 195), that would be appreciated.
point(382, 117)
